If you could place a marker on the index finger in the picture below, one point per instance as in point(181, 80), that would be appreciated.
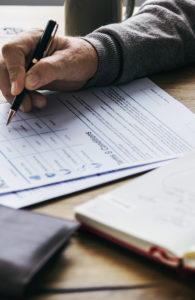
point(16, 54)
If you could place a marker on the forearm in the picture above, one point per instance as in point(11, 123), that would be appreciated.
point(161, 36)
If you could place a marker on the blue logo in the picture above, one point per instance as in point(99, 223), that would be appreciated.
point(35, 177)
point(50, 175)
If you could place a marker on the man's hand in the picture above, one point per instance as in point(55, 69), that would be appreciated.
point(70, 64)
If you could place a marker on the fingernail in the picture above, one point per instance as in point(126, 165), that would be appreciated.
point(32, 80)
point(13, 87)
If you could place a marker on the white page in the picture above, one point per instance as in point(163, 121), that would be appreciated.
point(158, 207)
point(91, 132)
point(34, 196)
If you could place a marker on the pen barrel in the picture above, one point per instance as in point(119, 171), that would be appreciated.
point(17, 101)
point(44, 40)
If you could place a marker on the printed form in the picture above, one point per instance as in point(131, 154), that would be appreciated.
point(96, 131)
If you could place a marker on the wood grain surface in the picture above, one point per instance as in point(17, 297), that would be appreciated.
point(92, 268)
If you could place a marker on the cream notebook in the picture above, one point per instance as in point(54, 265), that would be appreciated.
point(153, 215)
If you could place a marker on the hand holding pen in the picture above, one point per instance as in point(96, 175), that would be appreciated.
point(41, 51)
point(70, 64)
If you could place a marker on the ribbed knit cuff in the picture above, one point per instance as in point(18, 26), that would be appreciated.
point(108, 58)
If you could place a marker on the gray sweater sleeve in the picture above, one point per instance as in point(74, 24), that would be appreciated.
point(161, 36)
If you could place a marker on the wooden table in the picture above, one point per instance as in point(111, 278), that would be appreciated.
point(101, 270)
point(91, 268)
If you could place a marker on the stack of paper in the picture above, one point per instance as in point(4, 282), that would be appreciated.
point(87, 138)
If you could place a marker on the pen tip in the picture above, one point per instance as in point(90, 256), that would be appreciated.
point(10, 116)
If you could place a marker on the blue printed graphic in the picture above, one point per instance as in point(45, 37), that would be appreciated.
point(35, 177)
point(81, 168)
point(65, 171)
point(50, 175)
point(96, 165)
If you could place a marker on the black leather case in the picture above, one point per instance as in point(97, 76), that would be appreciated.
point(27, 242)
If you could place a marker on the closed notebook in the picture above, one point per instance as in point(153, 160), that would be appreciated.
point(27, 242)
point(153, 215)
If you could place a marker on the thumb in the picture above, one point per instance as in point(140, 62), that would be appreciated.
point(43, 73)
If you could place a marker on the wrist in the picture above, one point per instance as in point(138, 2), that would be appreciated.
point(109, 58)
point(91, 58)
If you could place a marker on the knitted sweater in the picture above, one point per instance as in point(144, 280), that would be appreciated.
point(160, 36)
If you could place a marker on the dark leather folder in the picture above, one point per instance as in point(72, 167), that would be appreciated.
point(27, 242)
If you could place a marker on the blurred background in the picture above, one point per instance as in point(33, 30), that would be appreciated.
point(42, 2)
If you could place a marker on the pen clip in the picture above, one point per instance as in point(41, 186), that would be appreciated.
point(50, 41)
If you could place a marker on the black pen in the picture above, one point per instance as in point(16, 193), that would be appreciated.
point(41, 51)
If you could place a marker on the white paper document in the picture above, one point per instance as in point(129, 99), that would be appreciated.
point(97, 131)
point(37, 195)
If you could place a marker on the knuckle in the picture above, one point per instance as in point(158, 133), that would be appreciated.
point(47, 67)
point(12, 47)
point(14, 70)
point(7, 48)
